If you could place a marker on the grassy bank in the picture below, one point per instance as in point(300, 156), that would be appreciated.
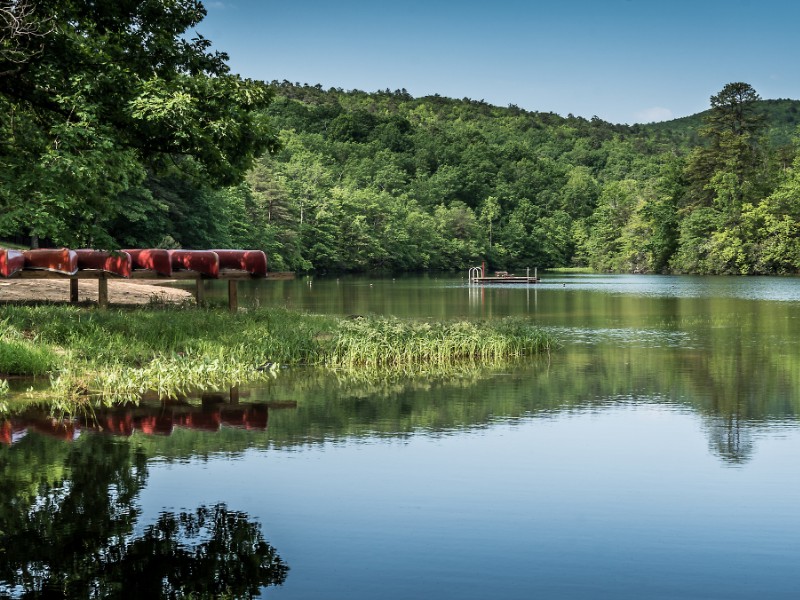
point(573, 270)
point(118, 355)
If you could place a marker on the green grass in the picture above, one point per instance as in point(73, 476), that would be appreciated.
point(13, 246)
point(118, 355)
point(570, 270)
point(21, 354)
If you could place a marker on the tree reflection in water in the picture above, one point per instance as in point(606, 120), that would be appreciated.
point(67, 531)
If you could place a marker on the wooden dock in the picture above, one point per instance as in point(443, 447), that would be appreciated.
point(476, 276)
point(505, 279)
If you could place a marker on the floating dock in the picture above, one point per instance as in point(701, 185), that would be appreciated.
point(476, 275)
point(506, 279)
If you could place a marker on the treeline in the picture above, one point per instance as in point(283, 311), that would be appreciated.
point(118, 130)
point(385, 180)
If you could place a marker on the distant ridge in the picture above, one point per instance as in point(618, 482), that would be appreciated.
point(782, 117)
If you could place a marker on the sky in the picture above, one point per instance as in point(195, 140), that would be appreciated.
point(625, 61)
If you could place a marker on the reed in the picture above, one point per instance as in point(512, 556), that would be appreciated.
point(118, 355)
point(392, 343)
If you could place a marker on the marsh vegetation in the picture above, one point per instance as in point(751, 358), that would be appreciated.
point(119, 355)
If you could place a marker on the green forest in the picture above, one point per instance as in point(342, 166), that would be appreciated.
point(118, 129)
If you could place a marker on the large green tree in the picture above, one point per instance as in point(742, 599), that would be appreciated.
point(727, 169)
point(96, 94)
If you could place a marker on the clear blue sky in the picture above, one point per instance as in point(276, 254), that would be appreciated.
point(625, 61)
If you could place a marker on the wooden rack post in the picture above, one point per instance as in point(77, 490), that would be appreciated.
point(233, 295)
point(102, 292)
point(200, 291)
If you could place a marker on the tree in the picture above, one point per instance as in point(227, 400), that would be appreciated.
point(19, 28)
point(490, 212)
point(726, 168)
point(117, 90)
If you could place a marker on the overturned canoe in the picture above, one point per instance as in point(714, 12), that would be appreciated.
point(116, 263)
point(11, 431)
point(155, 424)
point(205, 262)
point(204, 421)
point(62, 430)
point(154, 259)
point(11, 262)
point(254, 416)
point(252, 261)
point(57, 260)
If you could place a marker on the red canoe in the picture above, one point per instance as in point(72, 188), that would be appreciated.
point(252, 261)
point(118, 263)
point(117, 424)
point(233, 417)
point(61, 430)
point(155, 424)
point(153, 260)
point(11, 261)
point(5, 433)
point(257, 417)
point(205, 421)
point(61, 260)
point(12, 432)
point(205, 262)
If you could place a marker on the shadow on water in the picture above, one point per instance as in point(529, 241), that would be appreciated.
point(69, 529)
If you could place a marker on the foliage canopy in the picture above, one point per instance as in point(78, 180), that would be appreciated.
point(97, 97)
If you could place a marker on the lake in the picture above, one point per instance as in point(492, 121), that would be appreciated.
point(654, 455)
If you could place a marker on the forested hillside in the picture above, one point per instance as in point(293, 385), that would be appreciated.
point(118, 131)
point(384, 180)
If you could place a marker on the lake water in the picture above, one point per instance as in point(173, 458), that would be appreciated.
point(655, 455)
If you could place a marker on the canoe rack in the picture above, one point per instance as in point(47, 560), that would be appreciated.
point(152, 264)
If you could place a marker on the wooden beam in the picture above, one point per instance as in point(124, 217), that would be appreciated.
point(199, 291)
point(102, 292)
point(73, 290)
point(233, 295)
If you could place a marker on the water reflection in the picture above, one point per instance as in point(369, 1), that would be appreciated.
point(68, 529)
point(730, 439)
point(159, 417)
point(307, 406)
point(604, 471)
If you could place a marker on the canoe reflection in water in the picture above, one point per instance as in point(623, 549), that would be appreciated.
point(149, 419)
point(69, 529)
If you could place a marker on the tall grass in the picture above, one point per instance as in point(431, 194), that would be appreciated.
point(387, 343)
point(118, 355)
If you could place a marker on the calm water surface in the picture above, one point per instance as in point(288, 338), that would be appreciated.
point(654, 456)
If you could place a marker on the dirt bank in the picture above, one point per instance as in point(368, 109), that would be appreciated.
point(119, 291)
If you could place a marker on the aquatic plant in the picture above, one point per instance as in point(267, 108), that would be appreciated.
point(389, 342)
point(118, 355)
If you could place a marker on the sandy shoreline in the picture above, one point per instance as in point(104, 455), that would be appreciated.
point(119, 291)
